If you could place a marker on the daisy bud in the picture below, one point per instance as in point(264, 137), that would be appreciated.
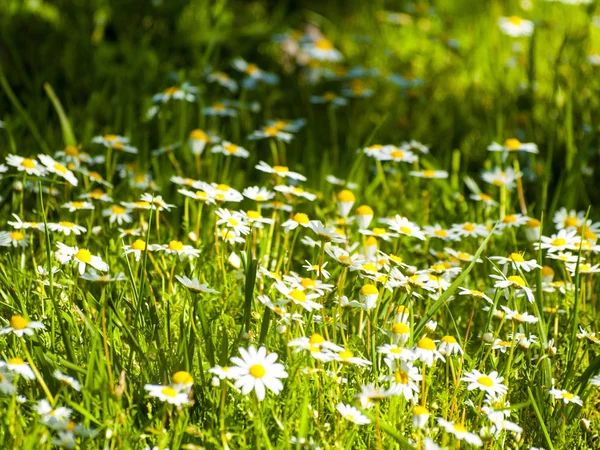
point(488, 337)
point(364, 216)
point(281, 329)
point(371, 247)
point(420, 416)
point(533, 230)
point(198, 140)
point(215, 382)
point(345, 202)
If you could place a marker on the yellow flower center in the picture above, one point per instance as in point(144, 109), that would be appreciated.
point(449, 340)
point(400, 328)
point(28, 163)
point(139, 245)
point(281, 169)
point(401, 377)
point(84, 255)
point(301, 218)
point(516, 279)
point(468, 227)
point(16, 361)
point(397, 154)
point(559, 242)
point(271, 131)
point(460, 428)
point(512, 143)
point(18, 322)
point(571, 221)
point(71, 151)
point(182, 377)
point(324, 44)
point(426, 344)
point(533, 223)
point(60, 168)
point(429, 173)
point(253, 215)
point(176, 246)
point(420, 410)
point(369, 289)
point(567, 395)
point(516, 257)
point(231, 148)
point(370, 267)
point(97, 194)
point(346, 355)
point(169, 392)
point(257, 371)
point(485, 381)
point(198, 135)
point(510, 219)
point(307, 283)
point(329, 96)
point(298, 295)
point(371, 241)
point(346, 196)
point(441, 233)
point(364, 210)
point(77, 205)
point(17, 236)
point(118, 210)
point(251, 69)
point(406, 230)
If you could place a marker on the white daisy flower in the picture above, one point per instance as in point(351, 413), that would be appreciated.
point(67, 228)
point(280, 171)
point(80, 257)
point(491, 383)
point(28, 165)
point(352, 414)
point(229, 149)
point(20, 326)
point(167, 394)
point(515, 26)
point(460, 432)
point(18, 366)
point(565, 396)
point(255, 370)
point(194, 285)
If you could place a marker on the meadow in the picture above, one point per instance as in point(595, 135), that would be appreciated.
point(299, 225)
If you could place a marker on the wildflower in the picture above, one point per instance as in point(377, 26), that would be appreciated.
point(517, 262)
point(449, 346)
point(469, 229)
point(80, 257)
point(20, 326)
point(6, 382)
point(229, 149)
point(583, 268)
point(179, 249)
point(564, 218)
point(254, 74)
point(352, 414)
point(28, 165)
point(404, 226)
point(271, 132)
point(427, 352)
point(18, 366)
point(514, 281)
point(322, 49)
point(258, 194)
point(369, 295)
point(117, 214)
point(224, 373)
point(369, 394)
point(255, 370)
point(77, 206)
point(513, 221)
point(232, 220)
point(330, 98)
point(219, 109)
point(439, 232)
point(484, 198)
point(67, 380)
point(513, 145)
point(501, 178)
point(67, 228)
point(198, 140)
point(324, 233)
point(405, 379)
point(563, 240)
point(565, 396)
point(435, 174)
point(167, 394)
point(194, 285)
point(491, 383)
point(57, 168)
point(222, 79)
point(280, 171)
point(345, 202)
point(515, 27)
point(94, 276)
point(420, 416)
point(460, 432)
point(299, 297)
point(116, 142)
point(14, 239)
point(347, 357)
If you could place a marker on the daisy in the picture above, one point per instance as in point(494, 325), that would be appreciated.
point(347, 357)
point(364, 216)
point(229, 149)
point(513, 221)
point(179, 249)
point(394, 351)
point(67, 228)
point(404, 226)
point(167, 394)
point(369, 394)
point(95, 277)
point(253, 73)
point(258, 194)
point(57, 168)
point(117, 214)
point(299, 297)
point(65, 379)
point(224, 372)
point(564, 218)
point(427, 352)
point(80, 257)
point(460, 432)
point(449, 346)
point(484, 198)
point(116, 142)
point(137, 248)
point(280, 171)
point(233, 221)
point(501, 178)
point(325, 233)
point(515, 27)
point(77, 206)
point(14, 239)
point(352, 414)
point(330, 98)
point(222, 79)
point(219, 109)
point(391, 153)
point(469, 229)
point(491, 383)
point(156, 201)
point(28, 165)
point(271, 132)
point(474, 293)
point(513, 145)
point(517, 262)
point(369, 295)
point(194, 285)
point(295, 191)
point(584, 268)
point(565, 396)
point(437, 174)
point(420, 416)
point(514, 281)
point(18, 224)
point(256, 370)
point(97, 194)
point(405, 380)
point(322, 49)
point(6, 382)
point(18, 366)
point(439, 232)
point(20, 326)
point(563, 240)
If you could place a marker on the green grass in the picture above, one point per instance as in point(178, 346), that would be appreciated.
point(70, 72)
